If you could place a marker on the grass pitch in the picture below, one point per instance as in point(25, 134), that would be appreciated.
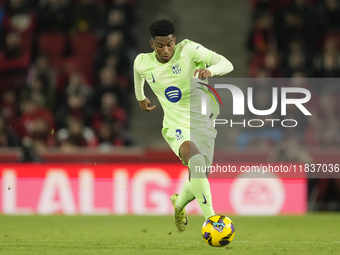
point(130, 235)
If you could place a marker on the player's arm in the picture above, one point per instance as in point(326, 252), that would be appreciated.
point(145, 105)
point(139, 81)
point(219, 65)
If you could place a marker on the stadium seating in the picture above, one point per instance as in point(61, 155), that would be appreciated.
point(53, 44)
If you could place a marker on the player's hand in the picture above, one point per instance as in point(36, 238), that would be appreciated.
point(145, 105)
point(202, 73)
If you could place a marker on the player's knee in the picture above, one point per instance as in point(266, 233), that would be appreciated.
point(187, 150)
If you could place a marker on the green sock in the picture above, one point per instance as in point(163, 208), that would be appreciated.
point(186, 195)
point(200, 185)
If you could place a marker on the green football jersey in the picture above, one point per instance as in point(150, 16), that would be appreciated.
point(180, 98)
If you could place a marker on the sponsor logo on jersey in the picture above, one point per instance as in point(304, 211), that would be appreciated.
point(179, 135)
point(176, 69)
point(153, 78)
point(173, 94)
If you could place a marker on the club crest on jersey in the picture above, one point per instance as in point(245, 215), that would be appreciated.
point(179, 135)
point(173, 94)
point(176, 69)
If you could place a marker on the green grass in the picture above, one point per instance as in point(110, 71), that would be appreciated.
point(311, 234)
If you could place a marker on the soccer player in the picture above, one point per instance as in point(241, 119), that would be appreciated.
point(168, 70)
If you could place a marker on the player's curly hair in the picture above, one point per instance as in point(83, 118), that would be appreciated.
point(161, 27)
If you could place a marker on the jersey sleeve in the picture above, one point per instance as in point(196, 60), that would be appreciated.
point(197, 52)
point(218, 64)
point(138, 79)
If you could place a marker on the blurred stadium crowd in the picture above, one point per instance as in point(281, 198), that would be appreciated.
point(66, 72)
point(297, 39)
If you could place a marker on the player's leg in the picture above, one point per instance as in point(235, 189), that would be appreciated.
point(200, 186)
point(175, 137)
point(186, 196)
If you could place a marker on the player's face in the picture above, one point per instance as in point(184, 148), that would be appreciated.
point(164, 47)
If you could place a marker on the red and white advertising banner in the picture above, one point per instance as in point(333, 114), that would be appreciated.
point(138, 189)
